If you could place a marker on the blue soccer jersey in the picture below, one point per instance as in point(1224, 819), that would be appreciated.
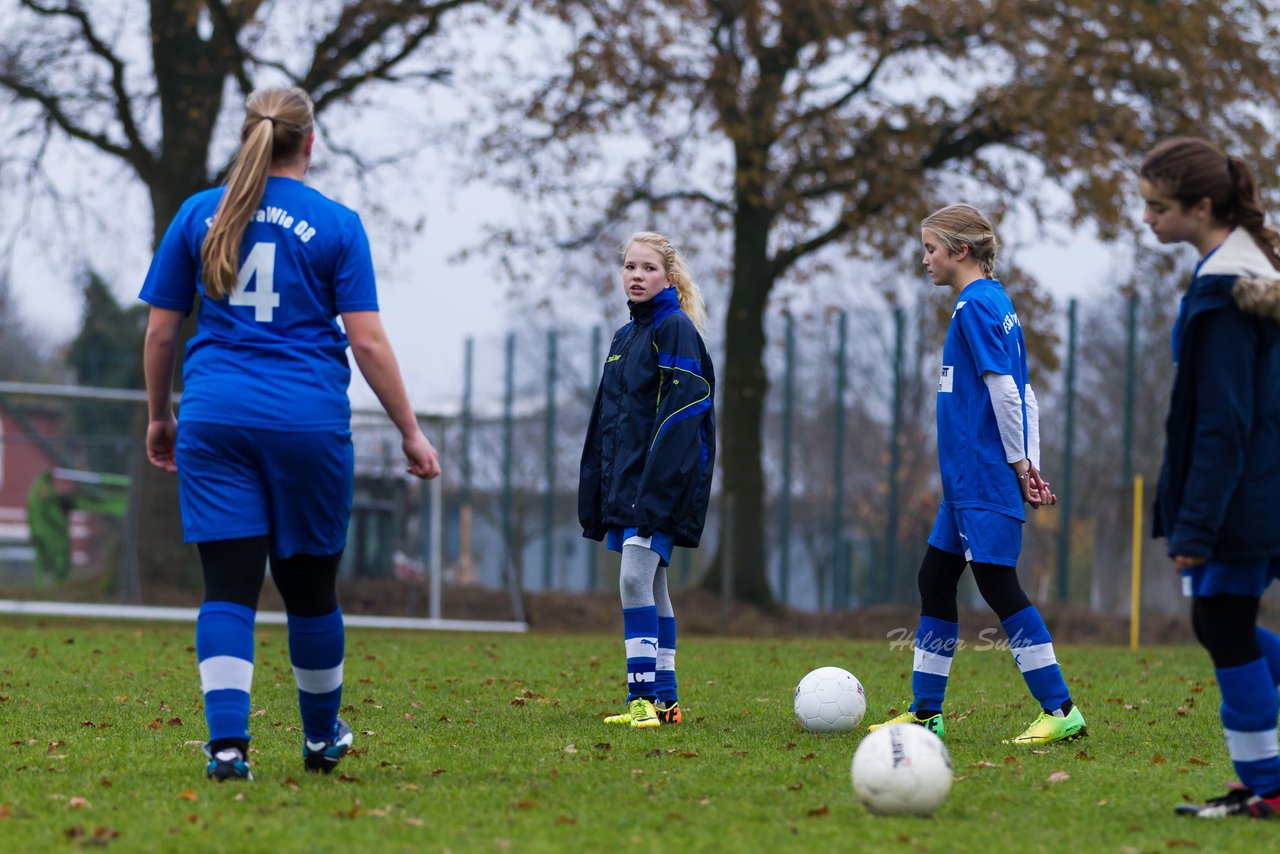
point(984, 337)
point(271, 355)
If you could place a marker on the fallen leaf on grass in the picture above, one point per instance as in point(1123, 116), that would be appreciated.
point(1040, 752)
point(524, 805)
point(155, 724)
point(189, 795)
point(564, 819)
point(104, 783)
point(985, 764)
point(1196, 760)
point(518, 701)
point(603, 745)
point(1059, 777)
point(1158, 760)
point(5, 812)
point(690, 755)
point(414, 822)
point(174, 722)
point(819, 812)
point(347, 778)
point(78, 803)
point(569, 748)
point(1181, 711)
point(808, 756)
point(1180, 843)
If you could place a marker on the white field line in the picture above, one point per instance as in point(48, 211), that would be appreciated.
point(188, 615)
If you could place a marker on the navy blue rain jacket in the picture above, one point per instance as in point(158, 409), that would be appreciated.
point(1221, 472)
point(651, 445)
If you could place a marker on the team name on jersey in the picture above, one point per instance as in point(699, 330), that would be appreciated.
point(302, 229)
point(1010, 321)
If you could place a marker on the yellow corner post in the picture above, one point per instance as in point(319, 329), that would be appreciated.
point(1135, 596)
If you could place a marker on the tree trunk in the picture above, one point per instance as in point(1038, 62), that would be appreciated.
point(190, 76)
point(742, 410)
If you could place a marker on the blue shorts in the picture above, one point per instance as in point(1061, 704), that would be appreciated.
point(659, 542)
point(1230, 577)
point(236, 482)
point(982, 536)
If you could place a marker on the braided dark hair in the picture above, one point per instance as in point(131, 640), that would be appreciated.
point(1190, 169)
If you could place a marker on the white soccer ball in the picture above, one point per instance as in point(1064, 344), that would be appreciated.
point(830, 699)
point(902, 769)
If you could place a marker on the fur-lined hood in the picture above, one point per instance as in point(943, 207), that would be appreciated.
point(1257, 286)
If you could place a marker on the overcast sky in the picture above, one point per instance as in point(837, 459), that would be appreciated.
point(430, 300)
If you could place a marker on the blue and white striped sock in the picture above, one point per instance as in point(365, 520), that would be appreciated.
point(666, 664)
point(224, 650)
point(640, 630)
point(316, 651)
point(935, 647)
point(1249, 708)
point(1032, 650)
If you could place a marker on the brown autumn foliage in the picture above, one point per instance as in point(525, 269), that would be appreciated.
point(798, 128)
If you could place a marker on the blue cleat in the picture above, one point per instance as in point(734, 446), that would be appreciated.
point(227, 764)
point(324, 755)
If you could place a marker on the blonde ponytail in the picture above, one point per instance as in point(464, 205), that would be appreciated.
point(276, 124)
point(691, 302)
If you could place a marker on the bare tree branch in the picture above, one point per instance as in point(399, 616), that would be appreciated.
point(137, 154)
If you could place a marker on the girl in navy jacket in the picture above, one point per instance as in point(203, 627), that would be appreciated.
point(648, 460)
point(1215, 503)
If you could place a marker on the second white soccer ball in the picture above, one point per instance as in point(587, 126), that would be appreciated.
point(902, 769)
point(830, 699)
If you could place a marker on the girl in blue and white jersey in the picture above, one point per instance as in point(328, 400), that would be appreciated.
point(988, 454)
point(263, 448)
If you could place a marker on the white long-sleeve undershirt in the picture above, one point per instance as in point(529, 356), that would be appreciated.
point(1007, 404)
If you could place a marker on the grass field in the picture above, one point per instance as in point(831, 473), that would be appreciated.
point(494, 743)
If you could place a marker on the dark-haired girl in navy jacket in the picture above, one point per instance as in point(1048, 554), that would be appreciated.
point(648, 460)
point(1216, 500)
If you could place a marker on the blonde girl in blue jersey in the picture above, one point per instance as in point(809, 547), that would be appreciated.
point(262, 449)
point(988, 452)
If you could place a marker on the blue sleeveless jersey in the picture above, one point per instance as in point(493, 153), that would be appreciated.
point(271, 355)
point(984, 336)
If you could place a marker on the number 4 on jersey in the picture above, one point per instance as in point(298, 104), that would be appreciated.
point(260, 265)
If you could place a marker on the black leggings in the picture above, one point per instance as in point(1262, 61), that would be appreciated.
point(940, 575)
point(1227, 627)
point(234, 570)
